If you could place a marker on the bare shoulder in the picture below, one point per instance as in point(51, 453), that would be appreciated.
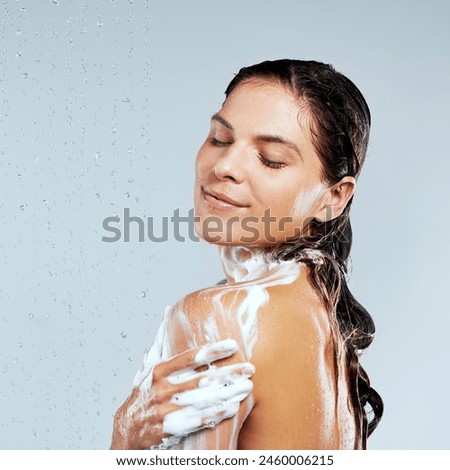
point(205, 316)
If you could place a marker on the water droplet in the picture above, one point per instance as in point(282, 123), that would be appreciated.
point(55, 2)
point(22, 207)
point(127, 195)
point(31, 315)
point(44, 201)
point(25, 75)
point(114, 130)
point(97, 195)
point(112, 173)
point(126, 100)
point(35, 434)
point(70, 232)
point(19, 175)
point(97, 155)
point(123, 334)
point(100, 23)
point(130, 180)
point(130, 359)
point(18, 54)
point(143, 294)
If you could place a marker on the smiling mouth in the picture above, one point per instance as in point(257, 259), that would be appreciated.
point(219, 200)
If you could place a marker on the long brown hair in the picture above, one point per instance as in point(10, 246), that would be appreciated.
point(339, 125)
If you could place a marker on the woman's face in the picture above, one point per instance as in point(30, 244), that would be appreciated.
point(258, 177)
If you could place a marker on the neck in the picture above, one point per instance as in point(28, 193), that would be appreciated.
point(241, 263)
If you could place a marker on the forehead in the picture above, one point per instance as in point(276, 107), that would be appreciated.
point(260, 106)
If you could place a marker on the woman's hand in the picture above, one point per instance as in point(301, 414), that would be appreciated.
point(175, 399)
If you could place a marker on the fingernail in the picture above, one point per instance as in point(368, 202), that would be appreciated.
point(227, 345)
point(249, 369)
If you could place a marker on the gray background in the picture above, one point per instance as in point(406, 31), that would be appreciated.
point(103, 105)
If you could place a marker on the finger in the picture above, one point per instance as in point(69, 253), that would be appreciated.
point(214, 415)
point(182, 364)
point(224, 374)
point(213, 352)
point(187, 420)
point(221, 375)
point(202, 398)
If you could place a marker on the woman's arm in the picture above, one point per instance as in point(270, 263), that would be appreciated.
point(172, 398)
point(197, 320)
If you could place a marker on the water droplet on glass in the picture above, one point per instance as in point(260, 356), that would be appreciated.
point(35, 434)
point(112, 173)
point(97, 195)
point(123, 334)
point(126, 100)
point(55, 2)
point(127, 195)
point(22, 207)
point(143, 294)
point(44, 201)
point(31, 315)
point(114, 130)
point(130, 180)
point(25, 75)
point(18, 54)
point(130, 359)
point(99, 23)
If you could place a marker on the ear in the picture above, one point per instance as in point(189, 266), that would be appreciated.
point(336, 198)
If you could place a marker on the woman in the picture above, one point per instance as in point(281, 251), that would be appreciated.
point(275, 180)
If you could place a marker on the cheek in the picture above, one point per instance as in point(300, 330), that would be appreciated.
point(306, 202)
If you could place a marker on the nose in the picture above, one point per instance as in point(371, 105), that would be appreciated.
point(231, 165)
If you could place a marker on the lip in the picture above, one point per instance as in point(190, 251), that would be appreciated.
point(220, 200)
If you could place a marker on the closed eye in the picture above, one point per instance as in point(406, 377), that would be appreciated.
point(219, 143)
point(270, 163)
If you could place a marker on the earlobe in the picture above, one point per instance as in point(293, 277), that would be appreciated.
point(337, 198)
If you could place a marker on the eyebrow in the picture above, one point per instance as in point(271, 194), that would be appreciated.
point(261, 138)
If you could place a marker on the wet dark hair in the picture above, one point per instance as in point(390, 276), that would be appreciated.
point(339, 123)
